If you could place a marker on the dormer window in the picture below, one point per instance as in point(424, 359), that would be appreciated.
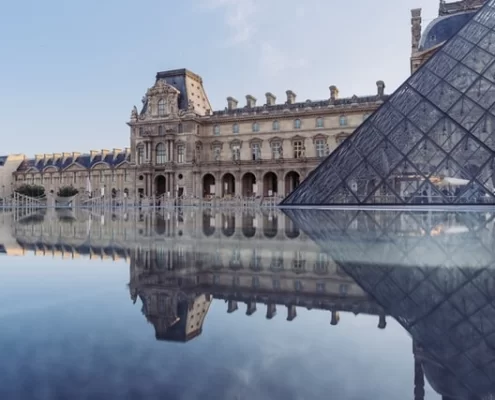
point(216, 130)
point(161, 107)
point(319, 122)
point(256, 127)
point(276, 126)
point(343, 120)
point(235, 128)
point(297, 124)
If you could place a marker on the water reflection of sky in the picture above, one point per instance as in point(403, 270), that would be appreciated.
point(69, 330)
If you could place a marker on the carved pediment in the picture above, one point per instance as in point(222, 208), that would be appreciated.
point(255, 140)
point(74, 167)
point(101, 165)
point(216, 144)
point(297, 137)
point(50, 168)
point(124, 165)
point(275, 139)
point(320, 136)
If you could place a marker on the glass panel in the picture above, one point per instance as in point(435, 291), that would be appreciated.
point(405, 136)
point(478, 60)
point(361, 182)
point(486, 177)
point(446, 133)
point(457, 48)
point(483, 93)
point(461, 78)
point(385, 158)
point(342, 195)
point(485, 131)
point(444, 96)
point(441, 65)
point(486, 17)
point(423, 81)
point(425, 116)
point(470, 155)
point(446, 177)
point(426, 156)
point(387, 118)
point(405, 99)
point(473, 32)
point(348, 159)
point(466, 112)
point(488, 43)
point(367, 142)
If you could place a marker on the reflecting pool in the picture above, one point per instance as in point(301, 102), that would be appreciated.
point(238, 304)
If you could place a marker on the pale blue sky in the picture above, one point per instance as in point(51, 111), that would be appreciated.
point(71, 71)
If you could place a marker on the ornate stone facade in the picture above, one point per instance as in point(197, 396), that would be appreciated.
point(182, 148)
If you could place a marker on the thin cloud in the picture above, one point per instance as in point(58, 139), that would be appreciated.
point(239, 17)
point(274, 61)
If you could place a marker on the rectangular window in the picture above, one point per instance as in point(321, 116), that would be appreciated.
point(140, 154)
point(236, 152)
point(276, 150)
point(180, 153)
point(320, 146)
point(161, 154)
point(217, 151)
point(74, 177)
point(256, 151)
point(298, 149)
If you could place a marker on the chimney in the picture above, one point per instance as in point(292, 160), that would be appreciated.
point(38, 157)
point(104, 153)
point(270, 99)
point(291, 97)
point(75, 155)
point(334, 93)
point(56, 156)
point(65, 156)
point(250, 101)
point(380, 85)
point(231, 103)
point(93, 154)
point(127, 150)
point(116, 152)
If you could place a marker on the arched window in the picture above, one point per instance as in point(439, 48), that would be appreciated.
point(160, 130)
point(140, 154)
point(319, 122)
point(161, 107)
point(297, 124)
point(216, 130)
point(343, 120)
point(235, 128)
point(256, 127)
point(276, 126)
point(161, 153)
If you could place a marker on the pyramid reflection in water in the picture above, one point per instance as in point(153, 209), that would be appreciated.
point(434, 273)
point(432, 142)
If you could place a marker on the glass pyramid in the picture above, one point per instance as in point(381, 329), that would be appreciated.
point(431, 142)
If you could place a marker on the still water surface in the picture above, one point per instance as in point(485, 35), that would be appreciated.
point(247, 305)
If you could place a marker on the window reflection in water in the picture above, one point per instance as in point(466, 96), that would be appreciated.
point(249, 225)
point(208, 223)
point(228, 224)
point(270, 225)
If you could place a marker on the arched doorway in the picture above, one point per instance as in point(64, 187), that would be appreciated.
point(270, 184)
point(228, 185)
point(160, 185)
point(208, 185)
point(249, 186)
point(292, 181)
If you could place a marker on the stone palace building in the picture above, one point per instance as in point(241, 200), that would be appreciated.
point(180, 146)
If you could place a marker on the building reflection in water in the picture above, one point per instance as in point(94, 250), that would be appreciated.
point(432, 272)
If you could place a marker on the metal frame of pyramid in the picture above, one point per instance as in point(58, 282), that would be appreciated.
point(431, 143)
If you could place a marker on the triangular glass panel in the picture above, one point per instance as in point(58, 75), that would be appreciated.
point(431, 142)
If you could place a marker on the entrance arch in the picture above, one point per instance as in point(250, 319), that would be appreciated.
point(209, 185)
point(270, 184)
point(292, 181)
point(249, 186)
point(228, 185)
point(160, 185)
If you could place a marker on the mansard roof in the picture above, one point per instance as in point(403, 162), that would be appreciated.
point(83, 160)
point(431, 142)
